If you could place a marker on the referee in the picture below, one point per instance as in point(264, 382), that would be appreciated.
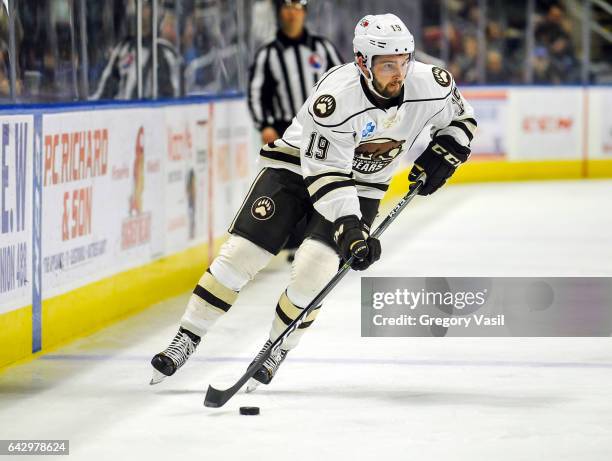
point(286, 69)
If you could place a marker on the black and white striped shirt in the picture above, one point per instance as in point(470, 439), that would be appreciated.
point(283, 75)
point(120, 77)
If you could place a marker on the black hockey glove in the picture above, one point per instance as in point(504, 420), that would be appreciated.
point(439, 161)
point(352, 239)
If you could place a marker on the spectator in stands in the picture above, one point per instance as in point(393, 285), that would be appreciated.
point(496, 72)
point(211, 49)
point(542, 70)
point(495, 37)
point(5, 79)
point(468, 17)
point(190, 49)
point(5, 84)
point(464, 66)
point(552, 27)
point(119, 79)
point(553, 33)
point(167, 23)
point(563, 61)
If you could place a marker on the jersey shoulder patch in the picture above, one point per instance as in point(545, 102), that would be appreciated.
point(324, 106)
point(441, 76)
point(336, 98)
point(428, 81)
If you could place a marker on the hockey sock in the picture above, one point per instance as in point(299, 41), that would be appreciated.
point(209, 301)
point(287, 312)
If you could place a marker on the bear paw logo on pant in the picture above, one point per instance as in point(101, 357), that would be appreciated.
point(263, 208)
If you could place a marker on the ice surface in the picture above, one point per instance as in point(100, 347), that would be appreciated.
point(340, 396)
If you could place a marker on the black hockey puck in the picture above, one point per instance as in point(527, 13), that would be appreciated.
point(249, 410)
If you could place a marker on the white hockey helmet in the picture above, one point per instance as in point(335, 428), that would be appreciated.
point(381, 34)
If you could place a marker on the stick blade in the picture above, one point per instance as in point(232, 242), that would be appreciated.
point(215, 398)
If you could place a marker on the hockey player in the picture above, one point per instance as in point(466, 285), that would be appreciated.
point(332, 165)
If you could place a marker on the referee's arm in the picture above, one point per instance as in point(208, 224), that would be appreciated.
point(261, 94)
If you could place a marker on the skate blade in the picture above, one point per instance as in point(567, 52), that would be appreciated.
point(252, 385)
point(157, 377)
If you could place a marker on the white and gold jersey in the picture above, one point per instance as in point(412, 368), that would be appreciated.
point(346, 144)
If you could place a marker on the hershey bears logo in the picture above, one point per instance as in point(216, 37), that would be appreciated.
point(324, 106)
point(263, 208)
point(372, 156)
point(441, 76)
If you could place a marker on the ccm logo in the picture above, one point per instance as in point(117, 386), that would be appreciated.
point(547, 124)
point(450, 158)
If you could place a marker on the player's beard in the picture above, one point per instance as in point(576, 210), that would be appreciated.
point(391, 89)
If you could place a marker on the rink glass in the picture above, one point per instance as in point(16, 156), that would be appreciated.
point(56, 51)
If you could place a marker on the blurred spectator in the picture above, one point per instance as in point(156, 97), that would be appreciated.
point(107, 23)
point(167, 27)
point(211, 51)
point(119, 79)
point(505, 43)
point(190, 48)
point(563, 60)
point(464, 66)
point(496, 72)
point(5, 78)
point(495, 37)
point(472, 16)
point(5, 83)
point(264, 22)
point(47, 59)
point(553, 33)
point(542, 69)
point(552, 27)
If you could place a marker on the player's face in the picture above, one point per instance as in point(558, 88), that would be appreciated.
point(389, 73)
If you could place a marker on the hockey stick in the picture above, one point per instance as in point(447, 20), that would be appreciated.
point(217, 398)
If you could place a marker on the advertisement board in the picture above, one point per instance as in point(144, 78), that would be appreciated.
point(186, 152)
point(234, 166)
point(102, 195)
point(599, 122)
point(16, 155)
point(491, 109)
point(545, 123)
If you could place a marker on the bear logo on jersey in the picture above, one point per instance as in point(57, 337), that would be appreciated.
point(372, 156)
point(441, 76)
point(324, 106)
point(263, 208)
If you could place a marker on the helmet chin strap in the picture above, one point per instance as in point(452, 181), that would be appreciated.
point(370, 82)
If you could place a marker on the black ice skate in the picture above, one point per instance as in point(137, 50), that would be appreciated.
point(174, 356)
point(268, 369)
